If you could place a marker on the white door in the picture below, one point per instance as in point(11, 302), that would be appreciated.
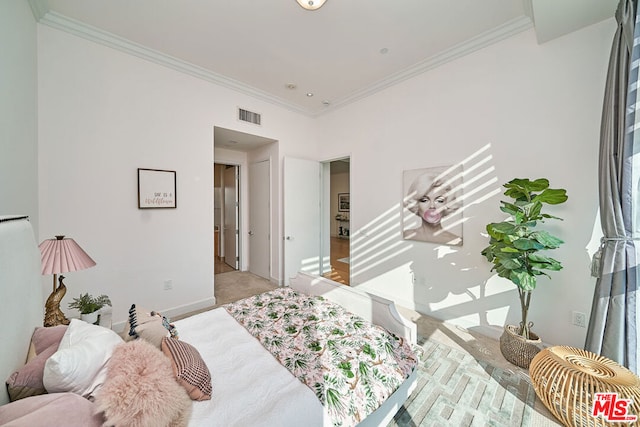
point(301, 217)
point(231, 208)
point(259, 219)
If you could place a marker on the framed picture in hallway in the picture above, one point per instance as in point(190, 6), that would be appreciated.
point(343, 202)
point(156, 189)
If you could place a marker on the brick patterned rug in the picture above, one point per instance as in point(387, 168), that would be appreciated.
point(454, 389)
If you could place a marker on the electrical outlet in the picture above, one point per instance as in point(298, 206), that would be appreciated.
point(579, 319)
point(168, 284)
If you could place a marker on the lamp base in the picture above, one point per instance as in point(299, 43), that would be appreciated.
point(53, 316)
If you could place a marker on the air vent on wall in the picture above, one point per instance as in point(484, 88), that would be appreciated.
point(248, 116)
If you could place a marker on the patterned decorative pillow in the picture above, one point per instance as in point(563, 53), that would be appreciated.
point(148, 325)
point(190, 370)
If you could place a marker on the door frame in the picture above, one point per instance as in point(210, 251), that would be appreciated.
point(243, 202)
point(235, 239)
point(325, 215)
point(324, 219)
point(265, 148)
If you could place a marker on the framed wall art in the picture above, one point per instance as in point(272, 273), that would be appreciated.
point(156, 189)
point(433, 205)
point(343, 202)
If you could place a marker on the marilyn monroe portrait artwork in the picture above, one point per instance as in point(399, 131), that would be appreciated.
point(433, 205)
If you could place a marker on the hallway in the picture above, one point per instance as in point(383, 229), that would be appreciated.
point(339, 259)
point(220, 266)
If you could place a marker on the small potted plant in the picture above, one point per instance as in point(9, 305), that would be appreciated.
point(88, 306)
point(516, 250)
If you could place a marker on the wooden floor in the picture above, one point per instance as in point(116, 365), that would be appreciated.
point(339, 269)
point(221, 267)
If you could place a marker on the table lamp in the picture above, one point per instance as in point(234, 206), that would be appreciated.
point(58, 256)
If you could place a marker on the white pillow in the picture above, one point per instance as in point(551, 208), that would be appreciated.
point(79, 365)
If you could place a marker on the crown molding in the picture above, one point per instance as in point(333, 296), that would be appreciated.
point(52, 19)
point(460, 50)
point(39, 8)
point(88, 32)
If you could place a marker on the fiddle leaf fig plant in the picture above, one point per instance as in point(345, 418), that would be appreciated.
point(516, 246)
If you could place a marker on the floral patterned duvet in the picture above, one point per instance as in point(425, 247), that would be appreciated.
point(350, 364)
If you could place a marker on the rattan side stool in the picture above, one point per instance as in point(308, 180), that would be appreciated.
point(567, 379)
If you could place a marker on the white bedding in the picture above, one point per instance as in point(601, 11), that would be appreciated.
point(250, 388)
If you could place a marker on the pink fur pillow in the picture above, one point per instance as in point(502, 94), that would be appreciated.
point(141, 389)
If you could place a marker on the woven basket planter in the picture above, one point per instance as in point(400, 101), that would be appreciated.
point(567, 379)
point(517, 349)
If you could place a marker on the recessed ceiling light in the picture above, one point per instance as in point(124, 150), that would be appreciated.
point(290, 86)
point(231, 141)
point(384, 50)
point(325, 102)
point(309, 94)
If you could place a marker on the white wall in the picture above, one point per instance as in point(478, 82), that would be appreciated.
point(18, 112)
point(103, 114)
point(22, 303)
point(514, 109)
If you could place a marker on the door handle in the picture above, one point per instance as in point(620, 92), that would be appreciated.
point(289, 238)
point(250, 233)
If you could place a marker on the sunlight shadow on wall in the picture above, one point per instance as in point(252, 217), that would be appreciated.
point(446, 281)
point(310, 265)
point(367, 253)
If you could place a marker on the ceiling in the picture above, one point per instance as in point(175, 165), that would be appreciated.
point(312, 61)
point(238, 141)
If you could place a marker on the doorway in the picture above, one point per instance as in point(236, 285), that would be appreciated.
point(251, 246)
point(339, 220)
point(226, 218)
point(316, 241)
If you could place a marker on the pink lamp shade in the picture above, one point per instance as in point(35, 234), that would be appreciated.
point(61, 255)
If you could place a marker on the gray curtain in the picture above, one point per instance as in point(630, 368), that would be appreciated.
point(612, 328)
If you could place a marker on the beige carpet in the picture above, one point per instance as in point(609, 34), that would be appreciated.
point(232, 286)
point(236, 285)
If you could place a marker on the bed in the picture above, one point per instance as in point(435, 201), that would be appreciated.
point(251, 386)
point(279, 398)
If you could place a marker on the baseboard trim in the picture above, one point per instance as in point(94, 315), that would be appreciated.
point(276, 281)
point(175, 311)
